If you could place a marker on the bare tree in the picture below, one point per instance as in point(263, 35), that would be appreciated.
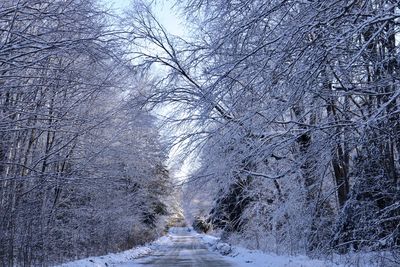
point(61, 67)
point(299, 98)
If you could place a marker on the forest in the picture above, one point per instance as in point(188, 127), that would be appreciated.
point(287, 111)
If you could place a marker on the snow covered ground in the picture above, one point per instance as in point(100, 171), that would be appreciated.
point(223, 253)
point(240, 256)
point(116, 259)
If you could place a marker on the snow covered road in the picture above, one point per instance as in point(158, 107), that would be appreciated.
point(185, 249)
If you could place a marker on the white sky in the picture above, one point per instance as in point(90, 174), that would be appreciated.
point(164, 11)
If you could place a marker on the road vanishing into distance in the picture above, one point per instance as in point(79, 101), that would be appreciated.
point(185, 250)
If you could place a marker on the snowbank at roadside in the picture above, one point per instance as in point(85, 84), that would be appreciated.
point(117, 259)
point(244, 257)
point(110, 259)
point(240, 256)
